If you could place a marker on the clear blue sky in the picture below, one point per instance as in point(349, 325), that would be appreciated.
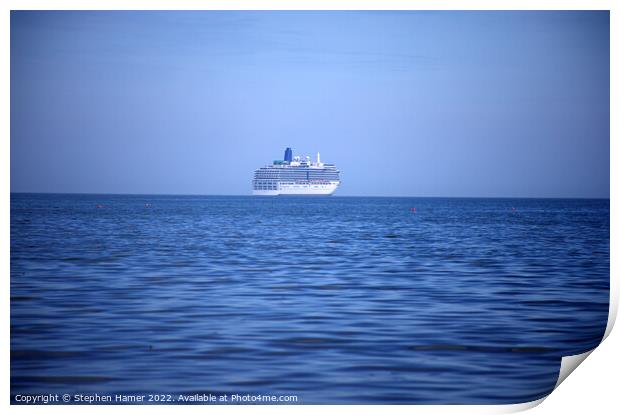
point(404, 103)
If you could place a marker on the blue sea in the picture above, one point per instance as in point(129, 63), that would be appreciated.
point(336, 300)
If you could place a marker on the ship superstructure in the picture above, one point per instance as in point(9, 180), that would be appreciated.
point(296, 176)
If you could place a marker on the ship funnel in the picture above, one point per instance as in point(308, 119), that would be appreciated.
point(288, 154)
point(318, 158)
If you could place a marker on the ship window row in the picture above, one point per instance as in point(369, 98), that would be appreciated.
point(295, 174)
point(261, 186)
point(304, 177)
point(306, 182)
point(277, 171)
point(265, 185)
point(305, 174)
point(292, 181)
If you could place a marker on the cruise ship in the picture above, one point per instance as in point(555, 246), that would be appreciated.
point(296, 176)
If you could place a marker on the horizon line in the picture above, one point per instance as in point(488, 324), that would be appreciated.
point(329, 196)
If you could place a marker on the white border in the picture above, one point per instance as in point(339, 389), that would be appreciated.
point(597, 380)
point(310, 5)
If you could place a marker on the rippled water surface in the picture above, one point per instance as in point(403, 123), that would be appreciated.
point(335, 300)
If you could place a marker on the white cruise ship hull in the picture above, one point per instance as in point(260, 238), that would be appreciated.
point(300, 190)
point(296, 177)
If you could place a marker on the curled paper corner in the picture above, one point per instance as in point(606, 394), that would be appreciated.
point(569, 364)
point(520, 407)
point(613, 312)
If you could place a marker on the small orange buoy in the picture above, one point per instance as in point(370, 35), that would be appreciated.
point(412, 210)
